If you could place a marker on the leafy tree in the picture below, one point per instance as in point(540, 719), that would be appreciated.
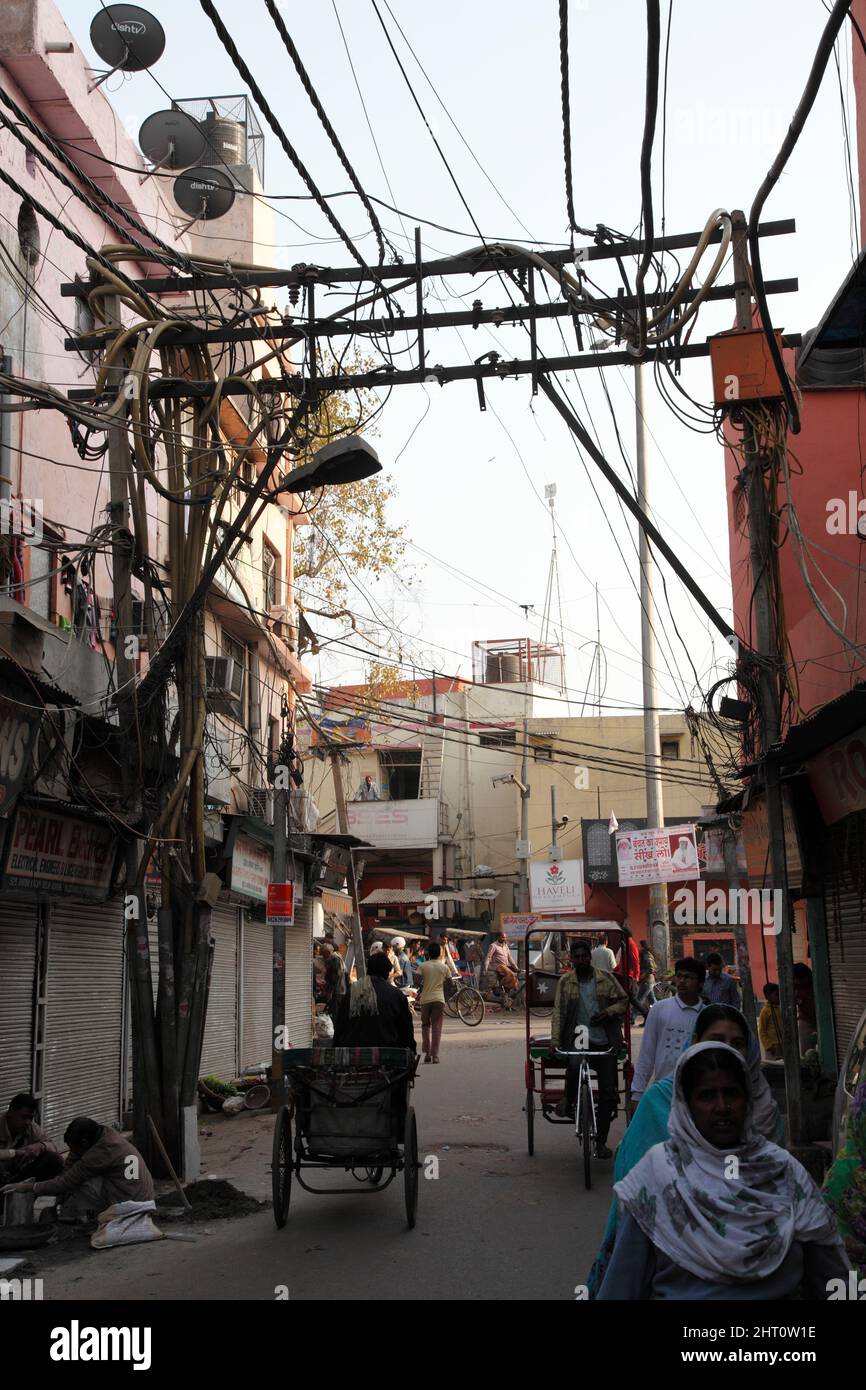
point(349, 532)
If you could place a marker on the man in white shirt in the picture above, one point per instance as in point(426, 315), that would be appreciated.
point(684, 856)
point(669, 1025)
point(603, 958)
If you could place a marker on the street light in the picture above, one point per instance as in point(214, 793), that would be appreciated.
point(346, 460)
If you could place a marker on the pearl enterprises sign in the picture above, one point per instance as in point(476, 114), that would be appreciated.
point(556, 887)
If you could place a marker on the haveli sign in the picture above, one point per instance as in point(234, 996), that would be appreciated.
point(657, 855)
point(55, 855)
point(556, 887)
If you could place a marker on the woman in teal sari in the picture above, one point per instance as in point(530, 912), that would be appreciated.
point(649, 1126)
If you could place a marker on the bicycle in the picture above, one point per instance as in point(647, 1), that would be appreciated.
point(584, 1109)
point(462, 1001)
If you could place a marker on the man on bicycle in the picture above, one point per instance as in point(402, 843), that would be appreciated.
point(499, 957)
point(587, 1003)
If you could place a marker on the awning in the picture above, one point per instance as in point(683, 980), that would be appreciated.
point(407, 932)
point(486, 895)
point(382, 897)
point(339, 903)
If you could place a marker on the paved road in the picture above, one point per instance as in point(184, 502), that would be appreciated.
point(495, 1223)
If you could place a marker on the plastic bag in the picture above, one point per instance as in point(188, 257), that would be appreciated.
point(323, 1029)
point(233, 1106)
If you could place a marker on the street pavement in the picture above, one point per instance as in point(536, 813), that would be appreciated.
point(494, 1223)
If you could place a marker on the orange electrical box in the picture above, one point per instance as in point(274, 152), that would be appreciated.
point(743, 369)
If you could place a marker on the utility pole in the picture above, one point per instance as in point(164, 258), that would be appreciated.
point(343, 827)
point(278, 872)
point(148, 1099)
point(764, 566)
point(659, 922)
point(524, 820)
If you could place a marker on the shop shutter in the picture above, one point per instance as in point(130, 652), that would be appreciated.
point(83, 1014)
point(299, 966)
point(845, 906)
point(18, 941)
point(258, 993)
point(219, 1055)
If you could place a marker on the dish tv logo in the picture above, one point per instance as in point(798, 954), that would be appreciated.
point(129, 26)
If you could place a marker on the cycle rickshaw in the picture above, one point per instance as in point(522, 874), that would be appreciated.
point(545, 1070)
point(346, 1108)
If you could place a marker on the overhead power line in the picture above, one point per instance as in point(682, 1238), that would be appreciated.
point(295, 56)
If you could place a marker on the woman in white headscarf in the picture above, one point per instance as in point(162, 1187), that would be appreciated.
point(718, 1211)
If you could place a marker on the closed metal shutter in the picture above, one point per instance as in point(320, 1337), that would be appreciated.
point(258, 984)
point(18, 936)
point(83, 1014)
point(299, 984)
point(845, 906)
point(219, 1056)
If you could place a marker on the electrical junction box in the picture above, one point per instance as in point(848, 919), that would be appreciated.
point(523, 850)
point(743, 369)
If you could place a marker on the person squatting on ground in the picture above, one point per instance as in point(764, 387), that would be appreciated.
point(718, 1211)
point(591, 1000)
point(25, 1149)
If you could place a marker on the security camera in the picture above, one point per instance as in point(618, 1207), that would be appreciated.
point(564, 820)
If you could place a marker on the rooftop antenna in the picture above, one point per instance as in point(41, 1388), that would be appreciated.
point(204, 194)
point(548, 631)
point(126, 37)
point(597, 666)
point(170, 140)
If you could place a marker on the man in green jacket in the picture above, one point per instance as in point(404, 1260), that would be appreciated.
point(586, 1004)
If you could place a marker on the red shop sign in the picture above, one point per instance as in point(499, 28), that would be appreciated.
point(281, 905)
point(838, 777)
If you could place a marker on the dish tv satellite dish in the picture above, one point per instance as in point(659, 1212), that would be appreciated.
point(171, 140)
point(204, 194)
point(126, 37)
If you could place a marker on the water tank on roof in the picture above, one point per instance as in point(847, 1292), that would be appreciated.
point(226, 140)
point(503, 668)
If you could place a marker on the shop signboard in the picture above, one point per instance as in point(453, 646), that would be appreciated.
point(52, 854)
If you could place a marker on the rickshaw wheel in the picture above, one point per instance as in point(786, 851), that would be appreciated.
point(410, 1167)
point(530, 1122)
point(281, 1166)
point(586, 1135)
point(470, 1007)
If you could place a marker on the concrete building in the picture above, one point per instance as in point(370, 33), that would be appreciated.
point(64, 1002)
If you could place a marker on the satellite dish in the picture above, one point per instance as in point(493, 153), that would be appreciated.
point(126, 37)
point(204, 194)
point(171, 140)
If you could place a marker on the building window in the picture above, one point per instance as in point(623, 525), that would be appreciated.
point(400, 774)
point(240, 656)
point(270, 576)
point(671, 748)
point(29, 240)
point(498, 738)
point(542, 754)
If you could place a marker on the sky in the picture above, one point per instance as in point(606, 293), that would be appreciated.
point(470, 485)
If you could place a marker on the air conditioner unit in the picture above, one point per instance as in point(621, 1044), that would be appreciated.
point(225, 683)
point(260, 803)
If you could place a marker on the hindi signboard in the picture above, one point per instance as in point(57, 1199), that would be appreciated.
point(556, 887)
point(515, 925)
point(251, 869)
point(662, 855)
